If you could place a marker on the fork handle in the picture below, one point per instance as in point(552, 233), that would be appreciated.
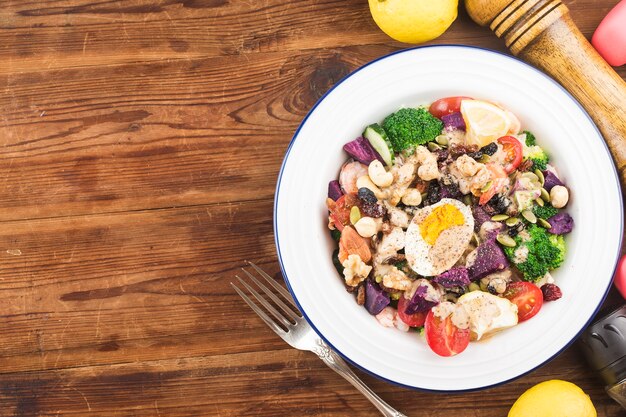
point(337, 364)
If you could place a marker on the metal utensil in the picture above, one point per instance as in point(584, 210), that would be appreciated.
point(295, 330)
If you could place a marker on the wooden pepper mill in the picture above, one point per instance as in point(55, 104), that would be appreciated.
point(542, 33)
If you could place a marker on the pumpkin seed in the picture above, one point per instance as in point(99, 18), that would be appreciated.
point(530, 216)
point(499, 217)
point(506, 240)
point(355, 215)
point(379, 279)
point(486, 186)
point(544, 223)
point(539, 175)
point(395, 295)
point(512, 221)
point(432, 146)
point(531, 176)
point(539, 202)
point(484, 159)
point(545, 195)
point(473, 287)
point(483, 286)
point(467, 200)
point(442, 140)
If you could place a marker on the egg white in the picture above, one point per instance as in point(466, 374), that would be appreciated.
point(430, 260)
point(488, 313)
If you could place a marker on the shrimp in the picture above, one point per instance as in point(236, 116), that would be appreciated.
point(389, 318)
point(499, 181)
point(350, 172)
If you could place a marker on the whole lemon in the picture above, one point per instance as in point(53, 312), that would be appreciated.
point(554, 398)
point(414, 21)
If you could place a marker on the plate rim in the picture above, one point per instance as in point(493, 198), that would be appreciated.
point(277, 192)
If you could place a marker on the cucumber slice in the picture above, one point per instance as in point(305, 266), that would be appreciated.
point(377, 137)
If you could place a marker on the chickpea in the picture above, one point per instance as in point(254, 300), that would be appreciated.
point(559, 196)
point(366, 227)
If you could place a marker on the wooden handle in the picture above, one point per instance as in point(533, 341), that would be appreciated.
point(542, 33)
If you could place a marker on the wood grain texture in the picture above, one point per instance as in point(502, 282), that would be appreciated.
point(141, 140)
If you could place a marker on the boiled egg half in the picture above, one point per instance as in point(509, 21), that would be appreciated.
point(437, 236)
point(487, 313)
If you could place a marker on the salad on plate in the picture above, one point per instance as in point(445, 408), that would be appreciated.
point(449, 219)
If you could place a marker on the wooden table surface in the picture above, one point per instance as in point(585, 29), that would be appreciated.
point(141, 141)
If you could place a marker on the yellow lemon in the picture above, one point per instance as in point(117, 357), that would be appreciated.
point(414, 21)
point(554, 398)
point(485, 122)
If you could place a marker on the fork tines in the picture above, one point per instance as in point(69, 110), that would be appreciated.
point(287, 311)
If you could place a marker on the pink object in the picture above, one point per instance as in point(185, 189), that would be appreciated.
point(620, 276)
point(610, 37)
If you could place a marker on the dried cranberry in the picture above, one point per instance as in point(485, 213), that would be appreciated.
point(551, 292)
point(458, 150)
point(442, 155)
point(373, 210)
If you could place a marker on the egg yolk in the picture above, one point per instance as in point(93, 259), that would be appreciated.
point(440, 219)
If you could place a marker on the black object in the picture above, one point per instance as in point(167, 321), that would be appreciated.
point(604, 345)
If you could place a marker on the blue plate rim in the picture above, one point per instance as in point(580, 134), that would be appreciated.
point(277, 192)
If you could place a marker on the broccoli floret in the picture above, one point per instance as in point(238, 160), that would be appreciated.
point(544, 253)
point(530, 138)
point(411, 127)
point(545, 212)
point(537, 155)
point(558, 241)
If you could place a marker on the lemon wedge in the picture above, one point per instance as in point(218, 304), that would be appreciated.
point(485, 122)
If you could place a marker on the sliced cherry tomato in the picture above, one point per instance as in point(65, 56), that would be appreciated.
point(443, 337)
point(340, 213)
point(513, 149)
point(446, 105)
point(413, 320)
point(528, 298)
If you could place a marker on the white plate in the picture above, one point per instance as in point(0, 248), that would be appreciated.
point(419, 76)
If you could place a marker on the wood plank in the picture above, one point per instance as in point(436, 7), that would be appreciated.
point(184, 134)
point(67, 34)
point(281, 381)
point(128, 287)
point(157, 135)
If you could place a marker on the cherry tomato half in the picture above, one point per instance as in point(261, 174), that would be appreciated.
point(446, 105)
point(413, 320)
point(513, 149)
point(341, 211)
point(443, 337)
point(528, 298)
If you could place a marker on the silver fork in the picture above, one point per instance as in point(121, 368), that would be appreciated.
point(299, 333)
